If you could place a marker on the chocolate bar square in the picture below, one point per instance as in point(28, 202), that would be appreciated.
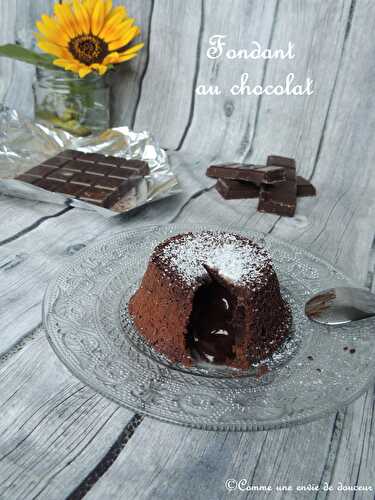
point(47, 184)
point(107, 183)
point(98, 169)
point(76, 165)
point(30, 179)
point(70, 189)
point(256, 174)
point(304, 187)
point(235, 190)
point(61, 174)
point(56, 161)
point(91, 157)
point(84, 179)
point(41, 170)
point(122, 173)
point(281, 161)
point(135, 167)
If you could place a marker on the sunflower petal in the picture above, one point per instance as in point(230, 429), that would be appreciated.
point(127, 57)
point(90, 6)
point(51, 48)
point(63, 15)
point(107, 7)
point(100, 68)
point(68, 17)
point(97, 19)
point(82, 16)
point(121, 43)
point(119, 31)
point(51, 27)
point(74, 22)
point(113, 23)
point(56, 36)
point(133, 50)
point(84, 71)
point(113, 58)
point(120, 9)
point(130, 35)
point(67, 64)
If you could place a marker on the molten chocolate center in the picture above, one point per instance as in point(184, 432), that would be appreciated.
point(210, 333)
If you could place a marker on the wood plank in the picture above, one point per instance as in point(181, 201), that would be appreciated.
point(354, 463)
point(54, 430)
point(19, 215)
point(222, 124)
point(167, 85)
point(25, 274)
point(126, 85)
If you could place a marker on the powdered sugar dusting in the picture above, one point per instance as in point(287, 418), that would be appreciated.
point(233, 257)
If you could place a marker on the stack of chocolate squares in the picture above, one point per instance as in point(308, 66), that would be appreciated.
point(275, 184)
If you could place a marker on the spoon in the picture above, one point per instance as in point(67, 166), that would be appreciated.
point(340, 305)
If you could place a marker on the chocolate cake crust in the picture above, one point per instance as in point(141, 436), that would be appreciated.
point(191, 278)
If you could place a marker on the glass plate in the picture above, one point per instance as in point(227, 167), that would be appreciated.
point(319, 370)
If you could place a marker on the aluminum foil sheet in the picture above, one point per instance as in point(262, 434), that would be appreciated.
point(24, 144)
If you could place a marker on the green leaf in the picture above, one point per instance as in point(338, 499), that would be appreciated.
point(28, 56)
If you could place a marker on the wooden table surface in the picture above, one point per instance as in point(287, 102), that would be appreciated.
point(59, 439)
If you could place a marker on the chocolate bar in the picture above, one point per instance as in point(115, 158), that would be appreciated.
point(281, 161)
point(258, 174)
point(92, 177)
point(234, 190)
point(281, 198)
point(304, 187)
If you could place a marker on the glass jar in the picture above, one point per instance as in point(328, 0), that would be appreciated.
point(80, 106)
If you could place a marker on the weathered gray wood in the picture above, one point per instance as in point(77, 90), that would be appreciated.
point(330, 133)
point(184, 464)
point(29, 262)
point(169, 78)
point(354, 464)
point(223, 124)
point(126, 86)
point(53, 429)
point(17, 217)
point(17, 20)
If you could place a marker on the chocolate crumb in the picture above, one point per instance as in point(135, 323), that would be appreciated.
point(346, 348)
point(352, 351)
point(318, 370)
point(310, 358)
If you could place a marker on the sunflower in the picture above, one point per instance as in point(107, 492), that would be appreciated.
point(88, 35)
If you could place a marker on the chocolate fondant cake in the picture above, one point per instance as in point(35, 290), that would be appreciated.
point(214, 295)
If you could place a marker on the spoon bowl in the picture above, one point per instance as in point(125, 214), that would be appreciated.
point(341, 305)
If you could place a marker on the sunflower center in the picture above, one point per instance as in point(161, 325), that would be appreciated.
point(88, 49)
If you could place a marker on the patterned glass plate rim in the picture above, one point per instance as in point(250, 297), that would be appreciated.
point(319, 371)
